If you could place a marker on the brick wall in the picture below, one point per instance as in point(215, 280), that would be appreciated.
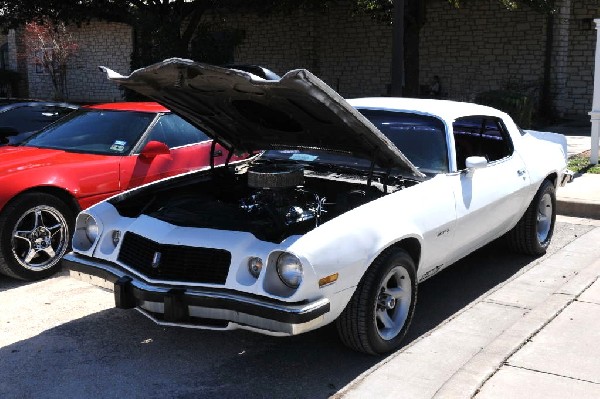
point(100, 43)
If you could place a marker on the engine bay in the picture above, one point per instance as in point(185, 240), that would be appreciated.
point(270, 200)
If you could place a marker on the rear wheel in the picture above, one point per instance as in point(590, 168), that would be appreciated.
point(34, 235)
point(533, 233)
point(379, 313)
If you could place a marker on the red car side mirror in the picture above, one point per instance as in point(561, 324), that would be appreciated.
point(153, 149)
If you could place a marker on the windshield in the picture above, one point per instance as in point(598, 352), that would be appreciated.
point(421, 138)
point(103, 132)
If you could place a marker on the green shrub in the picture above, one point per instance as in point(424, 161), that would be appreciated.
point(519, 106)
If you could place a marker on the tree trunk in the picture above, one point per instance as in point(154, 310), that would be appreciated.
point(397, 49)
point(413, 22)
point(411, 60)
point(546, 106)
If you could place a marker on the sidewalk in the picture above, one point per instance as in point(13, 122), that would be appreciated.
point(535, 336)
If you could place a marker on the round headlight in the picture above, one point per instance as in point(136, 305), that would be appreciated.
point(255, 266)
point(91, 229)
point(289, 270)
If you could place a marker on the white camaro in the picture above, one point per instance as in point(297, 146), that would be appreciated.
point(351, 204)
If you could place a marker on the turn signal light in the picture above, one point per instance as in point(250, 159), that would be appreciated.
point(328, 280)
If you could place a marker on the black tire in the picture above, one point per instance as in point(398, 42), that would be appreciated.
point(35, 232)
point(359, 325)
point(533, 233)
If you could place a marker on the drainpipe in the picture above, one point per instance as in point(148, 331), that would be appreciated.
point(595, 114)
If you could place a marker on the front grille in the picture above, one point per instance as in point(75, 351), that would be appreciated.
point(177, 262)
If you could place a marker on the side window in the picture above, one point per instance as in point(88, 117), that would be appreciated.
point(175, 132)
point(483, 136)
point(30, 118)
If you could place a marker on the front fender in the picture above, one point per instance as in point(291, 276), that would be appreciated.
point(348, 244)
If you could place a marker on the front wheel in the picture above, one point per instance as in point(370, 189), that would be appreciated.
point(34, 235)
point(377, 316)
point(533, 233)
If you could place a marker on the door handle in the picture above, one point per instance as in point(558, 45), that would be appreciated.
point(218, 153)
point(521, 172)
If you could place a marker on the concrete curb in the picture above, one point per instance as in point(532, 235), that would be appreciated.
point(580, 197)
point(578, 207)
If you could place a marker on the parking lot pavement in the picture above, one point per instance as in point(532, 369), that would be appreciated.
point(62, 338)
point(528, 325)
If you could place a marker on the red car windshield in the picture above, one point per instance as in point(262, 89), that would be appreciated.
point(104, 132)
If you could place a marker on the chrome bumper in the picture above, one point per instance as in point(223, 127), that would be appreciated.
point(198, 307)
point(567, 177)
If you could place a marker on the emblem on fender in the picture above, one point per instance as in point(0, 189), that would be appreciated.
point(156, 260)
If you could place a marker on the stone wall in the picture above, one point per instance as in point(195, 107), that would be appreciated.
point(476, 48)
point(100, 43)
point(579, 87)
point(482, 47)
point(350, 52)
point(16, 62)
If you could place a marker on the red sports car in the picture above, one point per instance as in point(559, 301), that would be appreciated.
point(89, 155)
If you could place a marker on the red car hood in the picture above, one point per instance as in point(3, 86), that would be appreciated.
point(16, 159)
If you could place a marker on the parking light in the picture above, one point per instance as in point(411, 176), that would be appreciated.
point(255, 265)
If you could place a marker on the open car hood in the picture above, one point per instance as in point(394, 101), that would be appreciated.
point(246, 113)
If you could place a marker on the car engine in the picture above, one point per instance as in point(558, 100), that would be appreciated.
point(270, 200)
point(279, 196)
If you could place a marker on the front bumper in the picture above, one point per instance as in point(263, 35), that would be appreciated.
point(198, 307)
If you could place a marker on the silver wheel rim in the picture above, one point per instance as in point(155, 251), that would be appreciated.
point(393, 303)
point(40, 238)
point(544, 218)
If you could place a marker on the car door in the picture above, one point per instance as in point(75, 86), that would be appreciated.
point(188, 149)
point(489, 200)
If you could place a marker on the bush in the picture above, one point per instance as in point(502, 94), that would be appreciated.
point(519, 106)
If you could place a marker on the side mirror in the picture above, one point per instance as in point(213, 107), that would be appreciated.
point(153, 149)
point(473, 163)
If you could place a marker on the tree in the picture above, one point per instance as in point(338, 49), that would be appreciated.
point(50, 45)
point(162, 28)
point(407, 34)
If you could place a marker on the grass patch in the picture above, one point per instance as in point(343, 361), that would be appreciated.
point(580, 163)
